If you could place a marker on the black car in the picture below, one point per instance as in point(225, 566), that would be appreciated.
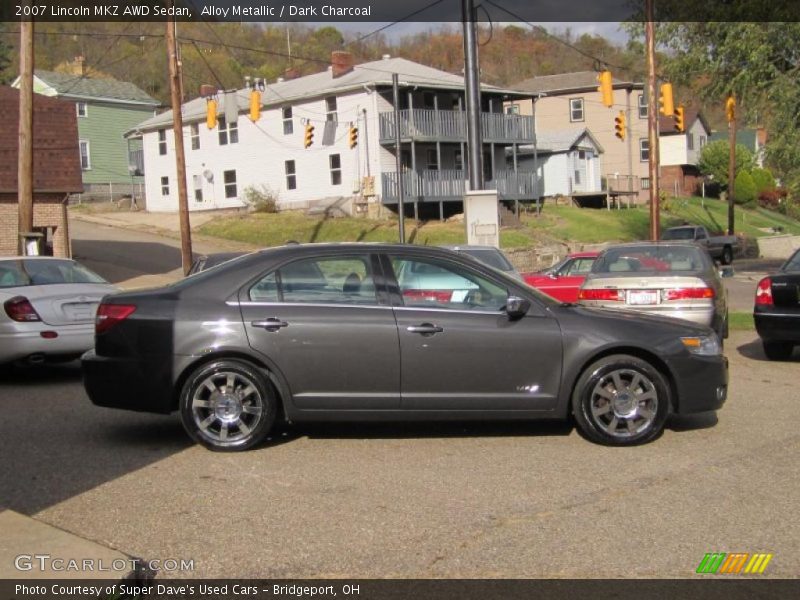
point(777, 310)
point(206, 261)
point(390, 332)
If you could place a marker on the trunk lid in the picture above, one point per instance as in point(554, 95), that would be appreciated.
point(67, 304)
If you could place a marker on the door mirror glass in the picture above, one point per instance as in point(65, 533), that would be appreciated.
point(517, 307)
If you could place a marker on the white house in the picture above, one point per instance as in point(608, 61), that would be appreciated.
point(679, 153)
point(567, 163)
point(222, 162)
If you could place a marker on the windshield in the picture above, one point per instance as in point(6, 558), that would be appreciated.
point(22, 272)
point(662, 259)
point(793, 264)
point(682, 233)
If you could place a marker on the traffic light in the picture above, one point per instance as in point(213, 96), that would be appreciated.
point(619, 125)
point(680, 125)
point(309, 136)
point(605, 88)
point(353, 137)
point(730, 108)
point(211, 113)
point(255, 105)
point(667, 107)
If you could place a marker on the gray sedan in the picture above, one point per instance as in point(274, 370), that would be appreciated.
point(324, 332)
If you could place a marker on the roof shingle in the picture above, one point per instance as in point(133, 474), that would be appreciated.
point(66, 84)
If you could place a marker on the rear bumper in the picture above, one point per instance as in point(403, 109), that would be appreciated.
point(140, 385)
point(778, 326)
point(702, 383)
point(25, 340)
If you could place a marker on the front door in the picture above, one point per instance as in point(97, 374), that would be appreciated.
point(460, 351)
point(318, 321)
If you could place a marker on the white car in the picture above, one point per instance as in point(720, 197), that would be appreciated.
point(49, 306)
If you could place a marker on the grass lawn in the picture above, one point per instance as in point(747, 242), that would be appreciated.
point(741, 321)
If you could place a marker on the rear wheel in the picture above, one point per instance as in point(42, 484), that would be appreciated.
point(778, 350)
point(727, 255)
point(621, 400)
point(227, 405)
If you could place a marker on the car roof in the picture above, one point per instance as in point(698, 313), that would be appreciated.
point(471, 247)
point(650, 244)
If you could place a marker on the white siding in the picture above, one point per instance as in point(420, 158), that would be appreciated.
point(672, 150)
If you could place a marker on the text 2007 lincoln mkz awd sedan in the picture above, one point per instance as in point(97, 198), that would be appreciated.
point(390, 332)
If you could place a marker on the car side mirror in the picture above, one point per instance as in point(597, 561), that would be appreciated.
point(726, 271)
point(517, 307)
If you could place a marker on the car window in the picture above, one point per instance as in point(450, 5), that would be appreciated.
point(319, 280)
point(793, 264)
point(12, 275)
point(45, 272)
point(581, 266)
point(663, 259)
point(428, 283)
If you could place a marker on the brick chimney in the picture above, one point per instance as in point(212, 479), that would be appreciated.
point(341, 63)
point(291, 73)
point(78, 66)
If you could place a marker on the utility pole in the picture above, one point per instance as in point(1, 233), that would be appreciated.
point(25, 147)
point(652, 119)
point(730, 109)
point(180, 156)
point(473, 94)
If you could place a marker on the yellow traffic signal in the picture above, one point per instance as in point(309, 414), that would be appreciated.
point(667, 107)
point(353, 137)
point(255, 105)
point(680, 125)
point(619, 125)
point(211, 113)
point(309, 135)
point(605, 88)
point(730, 108)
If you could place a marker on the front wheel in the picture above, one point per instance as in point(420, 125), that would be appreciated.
point(727, 255)
point(778, 350)
point(621, 400)
point(227, 405)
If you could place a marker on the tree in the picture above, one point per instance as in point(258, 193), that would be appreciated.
point(714, 159)
point(763, 179)
point(745, 188)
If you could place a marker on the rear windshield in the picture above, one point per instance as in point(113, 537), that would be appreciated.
point(489, 257)
point(793, 264)
point(22, 272)
point(685, 233)
point(666, 259)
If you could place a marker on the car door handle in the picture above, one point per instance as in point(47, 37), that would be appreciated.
point(425, 329)
point(270, 324)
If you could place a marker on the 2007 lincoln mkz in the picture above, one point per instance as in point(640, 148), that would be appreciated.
point(323, 332)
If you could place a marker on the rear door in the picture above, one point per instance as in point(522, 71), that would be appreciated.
point(325, 324)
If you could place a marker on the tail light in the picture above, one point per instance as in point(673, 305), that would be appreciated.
point(109, 315)
point(764, 292)
point(601, 294)
point(20, 309)
point(442, 296)
point(698, 293)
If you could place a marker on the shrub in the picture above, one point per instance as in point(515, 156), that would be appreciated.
point(261, 199)
point(745, 188)
point(772, 198)
point(763, 179)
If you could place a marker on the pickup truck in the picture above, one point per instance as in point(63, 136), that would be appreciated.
point(720, 247)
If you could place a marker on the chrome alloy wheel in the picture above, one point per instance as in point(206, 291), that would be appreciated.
point(227, 407)
point(624, 402)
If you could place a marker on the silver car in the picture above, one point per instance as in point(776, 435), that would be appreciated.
point(671, 279)
point(49, 307)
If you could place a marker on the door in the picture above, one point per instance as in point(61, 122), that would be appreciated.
point(319, 321)
point(460, 351)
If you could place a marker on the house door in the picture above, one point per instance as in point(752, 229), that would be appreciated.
point(579, 175)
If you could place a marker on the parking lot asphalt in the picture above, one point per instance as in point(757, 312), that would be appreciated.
point(523, 500)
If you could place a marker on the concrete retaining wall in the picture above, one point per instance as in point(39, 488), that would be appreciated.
point(778, 246)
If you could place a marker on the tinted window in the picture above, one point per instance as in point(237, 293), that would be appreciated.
point(679, 234)
point(45, 272)
point(428, 283)
point(793, 264)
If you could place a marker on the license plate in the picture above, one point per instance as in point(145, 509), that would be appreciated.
point(643, 297)
point(80, 311)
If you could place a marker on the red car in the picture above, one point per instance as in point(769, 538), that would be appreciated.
point(563, 280)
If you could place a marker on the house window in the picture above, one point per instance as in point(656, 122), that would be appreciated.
point(228, 132)
point(428, 100)
point(330, 108)
point(291, 175)
point(86, 161)
point(582, 154)
point(82, 109)
point(512, 109)
point(288, 125)
point(645, 183)
point(162, 141)
point(165, 186)
point(229, 178)
point(642, 102)
point(459, 161)
point(336, 169)
point(577, 177)
point(703, 140)
point(690, 141)
point(576, 109)
point(644, 150)
point(433, 161)
point(194, 133)
point(198, 187)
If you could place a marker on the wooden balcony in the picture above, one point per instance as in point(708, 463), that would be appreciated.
point(450, 184)
point(423, 125)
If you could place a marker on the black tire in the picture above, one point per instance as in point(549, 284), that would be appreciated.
point(778, 350)
point(228, 405)
point(642, 404)
point(727, 255)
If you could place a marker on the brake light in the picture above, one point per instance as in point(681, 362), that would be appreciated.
point(20, 309)
point(442, 296)
point(764, 292)
point(109, 315)
point(698, 293)
point(601, 294)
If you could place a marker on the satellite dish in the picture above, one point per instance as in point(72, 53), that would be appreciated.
point(209, 175)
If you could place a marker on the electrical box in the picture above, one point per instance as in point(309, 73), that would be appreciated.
point(482, 218)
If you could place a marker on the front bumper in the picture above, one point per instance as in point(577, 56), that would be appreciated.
point(701, 383)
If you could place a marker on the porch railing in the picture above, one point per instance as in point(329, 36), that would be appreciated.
point(451, 125)
point(450, 184)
